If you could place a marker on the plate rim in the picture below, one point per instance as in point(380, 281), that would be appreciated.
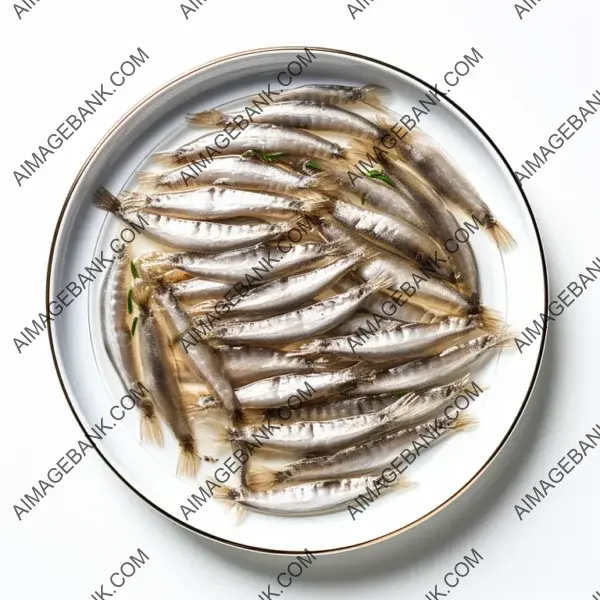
point(115, 129)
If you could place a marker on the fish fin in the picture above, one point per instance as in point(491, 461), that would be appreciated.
point(317, 205)
point(503, 339)
point(106, 201)
point(221, 435)
point(173, 276)
point(501, 235)
point(206, 117)
point(323, 364)
point(401, 483)
point(230, 498)
point(323, 182)
point(148, 179)
point(262, 479)
point(364, 253)
point(490, 320)
point(463, 423)
point(171, 158)
point(380, 282)
point(359, 148)
point(189, 461)
point(141, 293)
point(362, 372)
point(202, 308)
point(133, 202)
point(375, 95)
point(150, 430)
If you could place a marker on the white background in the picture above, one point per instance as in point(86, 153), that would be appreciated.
point(535, 73)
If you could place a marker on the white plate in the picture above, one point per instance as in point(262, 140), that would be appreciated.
point(513, 283)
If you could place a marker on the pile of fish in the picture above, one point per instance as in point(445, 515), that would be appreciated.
point(316, 319)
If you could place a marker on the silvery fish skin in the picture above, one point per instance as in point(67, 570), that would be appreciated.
point(368, 457)
point(261, 262)
point(287, 293)
point(423, 373)
point(201, 359)
point(425, 155)
point(443, 224)
point(304, 115)
point(266, 138)
point(325, 436)
point(401, 342)
point(357, 320)
point(385, 198)
point(333, 94)
point(299, 324)
point(232, 171)
point(246, 364)
point(119, 343)
point(378, 304)
point(208, 236)
point(220, 203)
point(314, 498)
point(160, 375)
point(275, 391)
point(392, 234)
point(198, 289)
point(326, 411)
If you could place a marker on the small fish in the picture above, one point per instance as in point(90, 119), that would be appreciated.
point(395, 235)
point(302, 323)
point(246, 364)
point(160, 375)
point(197, 236)
point(239, 172)
point(370, 94)
point(423, 373)
point(262, 262)
point(326, 411)
point(444, 225)
point(370, 456)
point(275, 391)
point(424, 153)
point(326, 436)
point(118, 340)
point(307, 499)
point(313, 116)
point(403, 341)
point(290, 292)
point(265, 138)
point(215, 203)
point(201, 359)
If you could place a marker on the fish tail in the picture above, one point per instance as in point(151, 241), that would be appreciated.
point(380, 282)
point(221, 435)
point(316, 205)
point(148, 179)
point(141, 293)
point(342, 247)
point(358, 150)
point(262, 479)
point(323, 182)
point(490, 320)
point(189, 461)
point(171, 158)
point(463, 423)
point(503, 339)
point(402, 483)
point(106, 201)
point(133, 202)
point(231, 499)
point(202, 307)
point(150, 430)
point(504, 240)
point(361, 372)
point(375, 95)
point(323, 364)
point(364, 253)
point(206, 117)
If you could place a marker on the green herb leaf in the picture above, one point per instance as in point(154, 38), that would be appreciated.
point(130, 301)
point(133, 326)
point(380, 175)
point(134, 270)
point(271, 157)
point(311, 164)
